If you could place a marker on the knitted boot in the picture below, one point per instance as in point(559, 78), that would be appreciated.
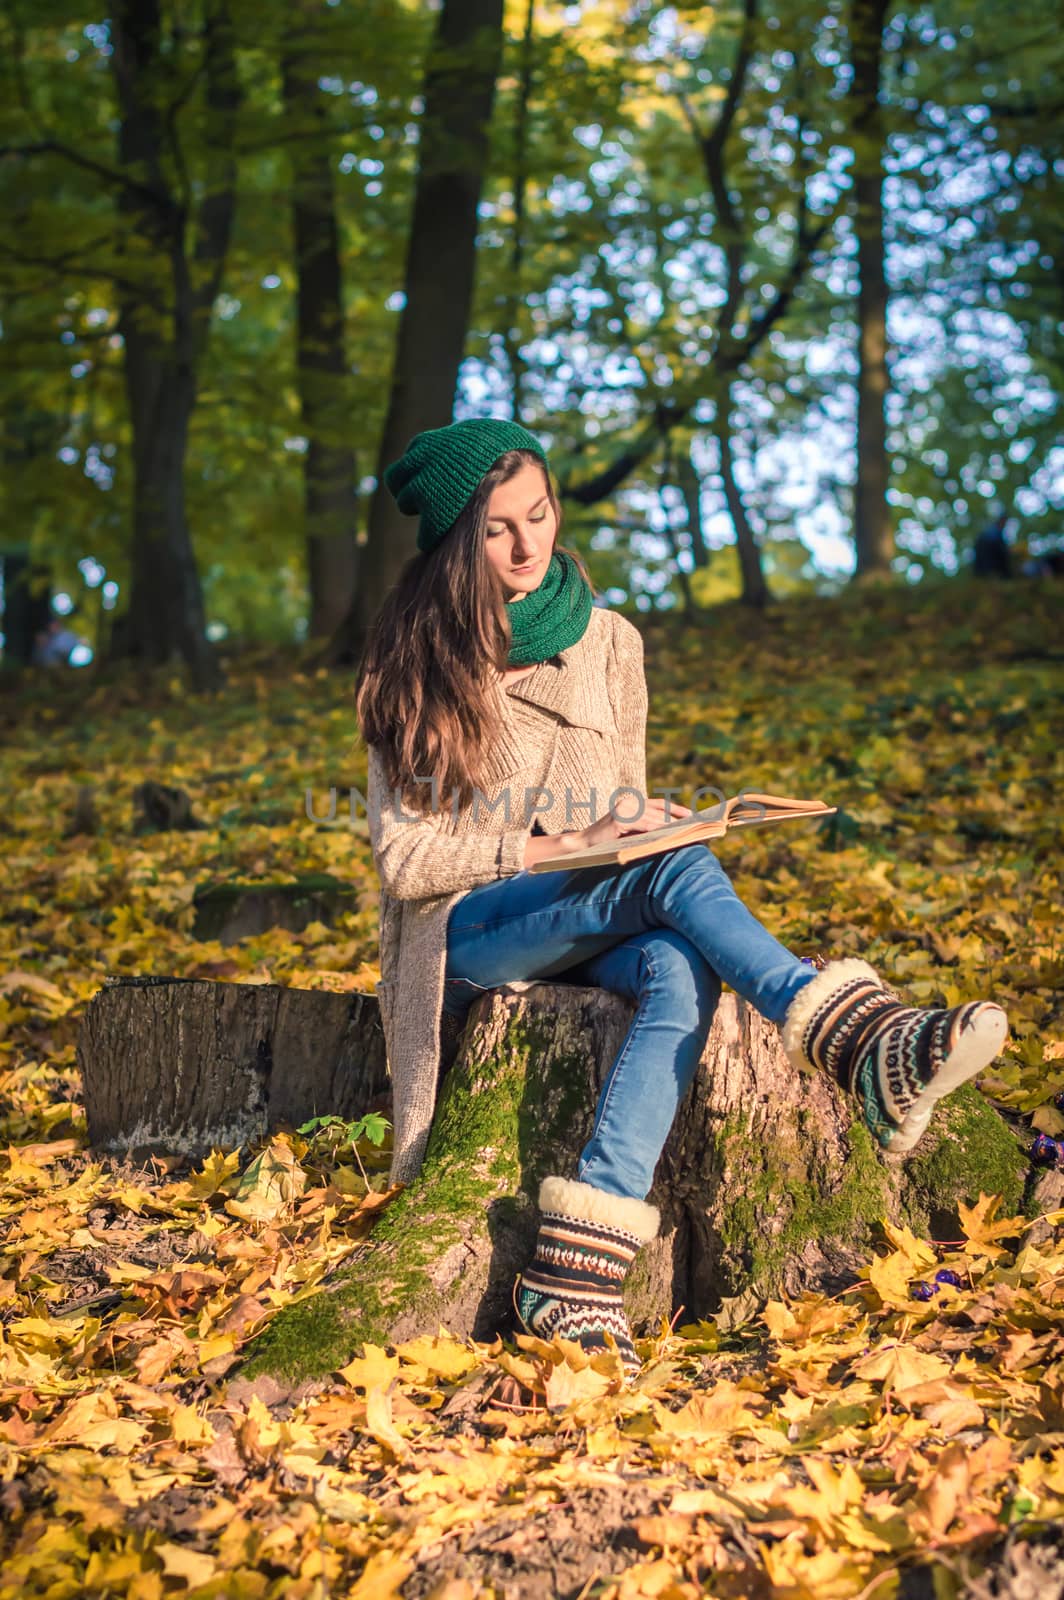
point(572, 1286)
point(896, 1059)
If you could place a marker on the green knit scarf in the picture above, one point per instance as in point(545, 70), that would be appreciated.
point(553, 616)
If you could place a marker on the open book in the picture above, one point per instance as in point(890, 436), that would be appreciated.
point(745, 810)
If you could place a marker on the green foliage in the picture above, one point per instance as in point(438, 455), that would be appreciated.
point(372, 1127)
point(601, 278)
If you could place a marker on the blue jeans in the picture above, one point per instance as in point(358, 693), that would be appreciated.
point(665, 932)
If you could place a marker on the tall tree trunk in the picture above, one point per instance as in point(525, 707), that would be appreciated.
point(30, 435)
point(329, 495)
point(511, 336)
point(755, 590)
point(27, 604)
point(441, 260)
point(165, 312)
point(669, 479)
point(873, 535)
point(166, 615)
point(690, 486)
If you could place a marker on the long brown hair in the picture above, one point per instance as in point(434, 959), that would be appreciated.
point(422, 689)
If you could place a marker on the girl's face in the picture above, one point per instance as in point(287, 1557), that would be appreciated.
point(520, 533)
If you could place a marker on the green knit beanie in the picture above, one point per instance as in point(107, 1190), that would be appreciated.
point(441, 469)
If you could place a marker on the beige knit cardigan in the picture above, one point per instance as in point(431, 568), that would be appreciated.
point(576, 723)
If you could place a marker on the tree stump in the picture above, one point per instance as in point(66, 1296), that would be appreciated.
point(159, 806)
point(183, 1065)
point(767, 1182)
point(232, 911)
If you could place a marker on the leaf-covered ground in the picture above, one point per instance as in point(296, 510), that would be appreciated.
point(869, 1445)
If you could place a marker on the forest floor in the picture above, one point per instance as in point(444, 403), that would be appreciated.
point(867, 1445)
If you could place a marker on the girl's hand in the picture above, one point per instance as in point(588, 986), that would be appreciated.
point(653, 815)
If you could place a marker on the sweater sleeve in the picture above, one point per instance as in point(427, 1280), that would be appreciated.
point(417, 859)
point(628, 697)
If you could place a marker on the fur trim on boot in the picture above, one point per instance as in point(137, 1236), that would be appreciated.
point(567, 1198)
point(837, 975)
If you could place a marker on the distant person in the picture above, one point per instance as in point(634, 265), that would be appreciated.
point(53, 644)
point(991, 557)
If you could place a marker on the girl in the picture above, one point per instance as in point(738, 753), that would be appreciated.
point(492, 693)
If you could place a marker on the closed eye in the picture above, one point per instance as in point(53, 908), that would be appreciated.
point(492, 532)
point(541, 518)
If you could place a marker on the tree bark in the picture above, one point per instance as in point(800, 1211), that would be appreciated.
point(755, 589)
point(873, 535)
point(683, 577)
point(690, 486)
point(31, 434)
point(329, 495)
point(166, 614)
point(27, 604)
point(165, 314)
point(768, 1180)
point(438, 283)
point(184, 1065)
point(514, 307)
point(229, 911)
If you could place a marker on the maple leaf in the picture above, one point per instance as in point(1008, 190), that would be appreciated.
point(708, 1416)
point(193, 1567)
point(213, 1174)
point(93, 1419)
point(566, 1385)
point(832, 1494)
point(258, 1434)
point(191, 1428)
point(439, 1356)
point(825, 1575)
point(890, 1276)
point(26, 1162)
point(980, 1229)
point(373, 1369)
point(272, 1182)
point(653, 1580)
point(864, 1531)
point(43, 988)
point(919, 1254)
point(899, 1367)
point(947, 1490)
point(115, 1569)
